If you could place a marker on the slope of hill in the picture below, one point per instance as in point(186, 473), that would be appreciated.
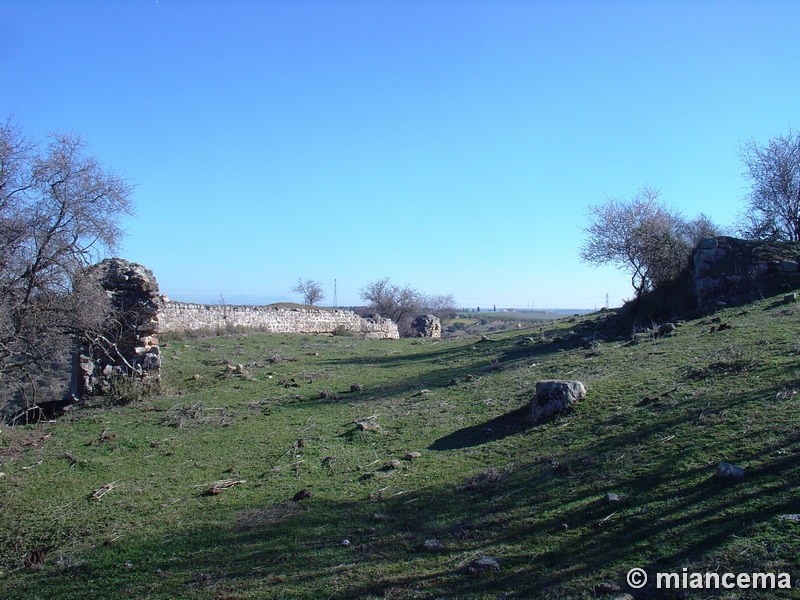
point(190, 494)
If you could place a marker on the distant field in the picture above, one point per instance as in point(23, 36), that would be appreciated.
point(190, 494)
point(518, 315)
point(485, 322)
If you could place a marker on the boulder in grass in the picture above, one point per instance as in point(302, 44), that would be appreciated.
point(367, 426)
point(485, 563)
point(666, 329)
point(730, 472)
point(613, 498)
point(302, 495)
point(554, 397)
point(433, 546)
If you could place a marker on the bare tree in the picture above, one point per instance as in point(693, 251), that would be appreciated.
point(402, 304)
point(701, 227)
point(442, 305)
point(642, 236)
point(59, 211)
point(773, 204)
point(310, 290)
point(393, 302)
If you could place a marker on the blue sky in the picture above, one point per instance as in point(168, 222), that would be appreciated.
point(452, 146)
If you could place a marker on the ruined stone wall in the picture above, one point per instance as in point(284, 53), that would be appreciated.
point(729, 270)
point(427, 326)
point(126, 348)
point(182, 316)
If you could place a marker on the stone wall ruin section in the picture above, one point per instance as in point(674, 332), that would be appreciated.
point(126, 348)
point(427, 326)
point(182, 316)
point(731, 271)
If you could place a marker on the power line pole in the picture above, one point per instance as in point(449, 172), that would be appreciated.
point(336, 305)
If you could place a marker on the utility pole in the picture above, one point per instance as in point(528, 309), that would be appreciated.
point(335, 305)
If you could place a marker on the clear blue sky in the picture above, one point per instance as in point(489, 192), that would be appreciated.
point(452, 146)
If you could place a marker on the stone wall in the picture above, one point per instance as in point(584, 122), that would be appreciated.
point(182, 316)
point(427, 326)
point(126, 348)
point(729, 270)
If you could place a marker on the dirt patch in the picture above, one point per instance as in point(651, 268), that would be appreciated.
point(15, 441)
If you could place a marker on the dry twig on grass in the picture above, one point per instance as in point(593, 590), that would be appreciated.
point(180, 415)
point(222, 484)
point(104, 490)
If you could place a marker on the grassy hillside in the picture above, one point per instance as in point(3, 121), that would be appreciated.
point(472, 324)
point(117, 501)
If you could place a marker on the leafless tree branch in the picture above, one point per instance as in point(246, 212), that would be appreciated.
point(60, 210)
point(773, 203)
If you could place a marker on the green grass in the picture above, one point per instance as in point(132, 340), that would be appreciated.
point(472, 324)
point(659, 415)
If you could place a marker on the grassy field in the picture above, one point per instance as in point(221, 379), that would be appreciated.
point(190, 494)
point(482, 323)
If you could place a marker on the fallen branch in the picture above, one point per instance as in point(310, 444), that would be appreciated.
point(369, 418)
point(609, 516)
point(104, 490)
point(361, 468)
point(222, 484)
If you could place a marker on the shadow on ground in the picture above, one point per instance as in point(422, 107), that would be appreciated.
point(296, 550)
point(498, 428)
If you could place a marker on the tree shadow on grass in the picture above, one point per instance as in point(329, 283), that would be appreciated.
point(498, 428)
point(546, 547)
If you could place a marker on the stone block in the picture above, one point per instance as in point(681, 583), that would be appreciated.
point(554, 397)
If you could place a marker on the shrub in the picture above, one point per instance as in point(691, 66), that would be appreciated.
point(342, 331)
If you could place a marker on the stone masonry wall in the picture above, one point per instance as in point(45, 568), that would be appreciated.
point(126, 348)
point(728, 270)
point(181, 316)
point(427, 326)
